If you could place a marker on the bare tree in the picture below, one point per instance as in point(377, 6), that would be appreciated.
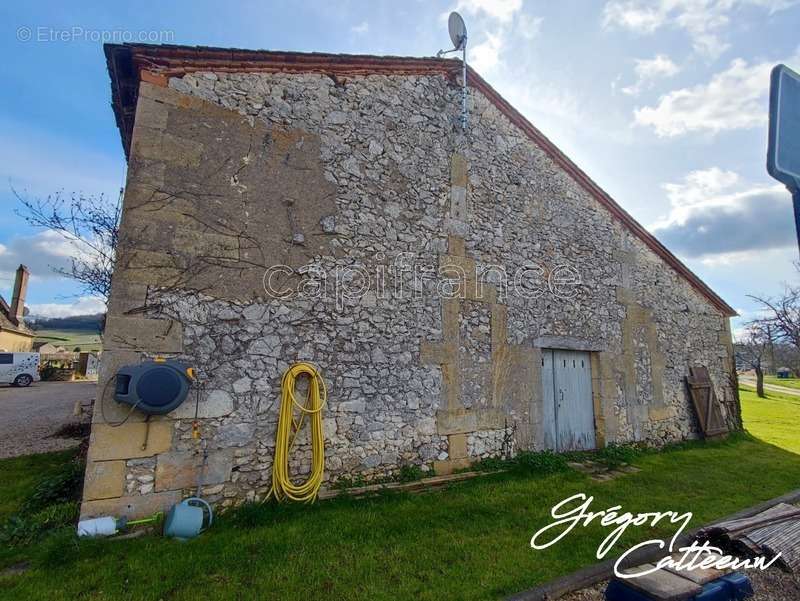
point(90, 223)
point(754, 348)
point(782, 313)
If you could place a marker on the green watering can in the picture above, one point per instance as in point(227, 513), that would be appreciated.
point(185, 519)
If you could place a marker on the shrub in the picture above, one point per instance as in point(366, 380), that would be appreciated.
point(22, 529)
point(60, 487)
point(615, 455)
point(542, 462)
point(410, 473)
point(52, 505)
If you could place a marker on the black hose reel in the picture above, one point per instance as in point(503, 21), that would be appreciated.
point(154, 387)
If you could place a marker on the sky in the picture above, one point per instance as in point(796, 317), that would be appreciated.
point(662, 102)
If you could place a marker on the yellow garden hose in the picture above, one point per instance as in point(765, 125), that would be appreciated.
point(282, 486)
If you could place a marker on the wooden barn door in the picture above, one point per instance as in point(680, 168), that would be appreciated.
point(568, 411)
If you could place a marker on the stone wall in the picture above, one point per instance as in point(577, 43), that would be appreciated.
point(437, 361)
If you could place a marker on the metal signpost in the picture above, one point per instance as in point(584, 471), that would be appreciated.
point(783, 152)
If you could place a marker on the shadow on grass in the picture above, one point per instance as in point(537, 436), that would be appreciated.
point(470, 540)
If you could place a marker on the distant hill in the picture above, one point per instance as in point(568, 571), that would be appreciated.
point(84, 323)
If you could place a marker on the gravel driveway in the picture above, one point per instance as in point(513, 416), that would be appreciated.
point(29, 416)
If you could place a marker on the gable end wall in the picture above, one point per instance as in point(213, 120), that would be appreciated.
point(232, 173)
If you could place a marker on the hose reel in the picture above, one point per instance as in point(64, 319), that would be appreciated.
point(153, 387)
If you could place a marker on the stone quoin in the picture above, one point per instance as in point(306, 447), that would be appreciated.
point(240, 161)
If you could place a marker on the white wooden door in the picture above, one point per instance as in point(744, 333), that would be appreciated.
point(568, 412)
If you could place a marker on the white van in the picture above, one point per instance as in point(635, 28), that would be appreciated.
point(19, 369)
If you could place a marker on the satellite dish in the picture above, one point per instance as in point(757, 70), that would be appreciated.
point(457, 29)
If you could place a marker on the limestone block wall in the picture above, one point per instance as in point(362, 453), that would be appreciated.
point(400, 238)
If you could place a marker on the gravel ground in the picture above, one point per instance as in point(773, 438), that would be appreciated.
point(30, 416)
point(772, 585)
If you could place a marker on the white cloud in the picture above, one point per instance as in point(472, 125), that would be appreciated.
point(484, 57)
point(735, 98)
point(633, 15)
point(361, 28)
point(648, 71)
point(704, 21)
point(700, 187)
point(42, 253)
point(85, 305)
point(502, 10)
point(717, 217)
point(528, 26)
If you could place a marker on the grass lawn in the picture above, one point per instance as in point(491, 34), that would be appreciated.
point(69, 339)
point(19, 475)
point(470, 541)
point(775, 420)
point(787, 382)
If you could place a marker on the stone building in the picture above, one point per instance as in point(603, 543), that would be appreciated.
point(15, 335)
point(466, 293)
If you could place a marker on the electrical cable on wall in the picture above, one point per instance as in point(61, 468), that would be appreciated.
point(288, 428)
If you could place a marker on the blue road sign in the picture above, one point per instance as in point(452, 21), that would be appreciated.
point(783, 151)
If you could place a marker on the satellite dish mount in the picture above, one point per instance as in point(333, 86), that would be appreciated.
point(458, 35)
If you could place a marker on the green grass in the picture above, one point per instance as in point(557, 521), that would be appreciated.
point(470, 541)
point(787, 382)
point(775, 420)
point(69, 339)
point(20, 475)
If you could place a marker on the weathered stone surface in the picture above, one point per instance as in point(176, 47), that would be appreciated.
point(104, 480)
point(234, 435)
point(216, 403)
point(448, 466)
point(142, 333)
point(244, 219)
point(457, 446)
point(128, 440)
point(185, 469)
point(139, 506)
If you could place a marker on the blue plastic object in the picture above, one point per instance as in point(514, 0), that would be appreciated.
point(153, 387)
point(185, 520)
point(714, 591)
point(733, 587)
point(738, 585)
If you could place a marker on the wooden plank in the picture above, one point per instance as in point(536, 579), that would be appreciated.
point(415, 486)
point(775, 513)
point(662, 585)
point(706, 404)
point(698, 575)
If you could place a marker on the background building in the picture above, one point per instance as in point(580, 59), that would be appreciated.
point(15, 336)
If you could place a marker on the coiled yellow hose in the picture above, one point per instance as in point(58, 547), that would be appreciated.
point(282, 486)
